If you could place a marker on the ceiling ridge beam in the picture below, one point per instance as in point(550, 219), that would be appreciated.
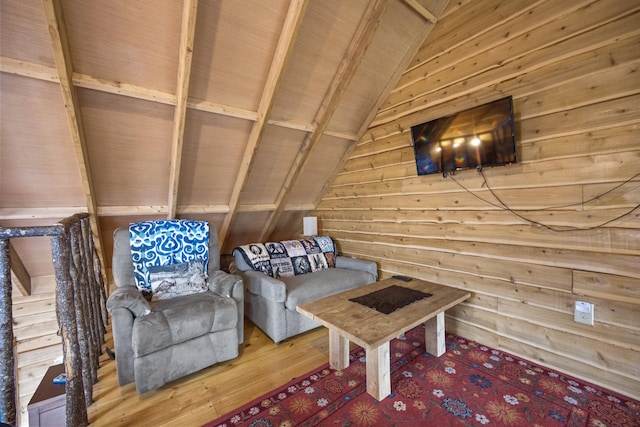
point(286, 42)
point(64, 66)
point(346, 70)
point(187, 35)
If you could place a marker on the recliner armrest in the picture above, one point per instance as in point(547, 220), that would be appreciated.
point(225, 284)
point(229, 285)
point(122, 327)
point(264, 285)
point(357, 264)
point(130, 298)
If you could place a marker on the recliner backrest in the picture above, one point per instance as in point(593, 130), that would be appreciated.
point(122, 265)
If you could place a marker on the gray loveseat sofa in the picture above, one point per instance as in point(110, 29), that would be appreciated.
point(270, 302)
point(160, 341)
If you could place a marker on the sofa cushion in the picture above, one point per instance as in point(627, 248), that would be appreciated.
point(165, 242)
point(180, 319)
point(288, 257)
point(170, 281)
point(310, 287)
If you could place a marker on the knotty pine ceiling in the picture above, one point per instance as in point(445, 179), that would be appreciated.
point(239, 112)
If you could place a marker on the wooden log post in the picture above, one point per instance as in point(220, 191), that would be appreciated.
point(80, 305)
point(76, 409)
point(80, 308)
point(100, 288)
point(93, 293)
point(7, 358)
point(90, 301)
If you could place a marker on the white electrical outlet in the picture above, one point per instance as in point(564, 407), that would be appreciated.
point(583, 313)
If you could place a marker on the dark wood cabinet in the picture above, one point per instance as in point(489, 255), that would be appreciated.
point(47, 406)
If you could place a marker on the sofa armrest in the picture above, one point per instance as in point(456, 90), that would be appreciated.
point(264, 285)
point(130, 298)
point(357, 264)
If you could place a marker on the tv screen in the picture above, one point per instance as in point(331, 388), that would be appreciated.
point(477, 137)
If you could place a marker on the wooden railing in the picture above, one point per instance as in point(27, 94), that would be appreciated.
point(80, 310)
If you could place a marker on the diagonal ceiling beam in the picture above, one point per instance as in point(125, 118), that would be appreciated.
point(292, 23)
point(23, 279)
point(62, 55)
point(346, 70)
point(419, 38)
point(187, 35)
point(426, 13)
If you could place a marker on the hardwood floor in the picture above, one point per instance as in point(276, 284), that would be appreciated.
point(203, 396)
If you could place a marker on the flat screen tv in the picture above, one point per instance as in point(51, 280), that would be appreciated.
point(477, 137)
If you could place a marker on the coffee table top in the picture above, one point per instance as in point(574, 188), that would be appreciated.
point(368, 327)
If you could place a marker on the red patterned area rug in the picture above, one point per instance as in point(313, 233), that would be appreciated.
point(470, 385)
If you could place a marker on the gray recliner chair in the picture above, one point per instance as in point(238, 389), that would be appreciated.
point(160, 341)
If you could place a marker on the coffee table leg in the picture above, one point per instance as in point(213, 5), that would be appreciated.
point(434, 335)
point(379, 372)
point(338, 350)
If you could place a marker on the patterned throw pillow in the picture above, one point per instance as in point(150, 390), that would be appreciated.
point(170, 281)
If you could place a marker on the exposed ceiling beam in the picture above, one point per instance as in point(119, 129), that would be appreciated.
point(28, 69)
point(292, 22)
point(346, 70)
point(187, 34)
point(119, 88)
point(342, 135)
point(395, 78)
point(290, 124)
point(20, 273)
point(426, 14)
point(303, 207)
point(221, 109)
point(42, 72)
point(56, 213)
point(112, 211)
point(62, 56)
point(59, 213)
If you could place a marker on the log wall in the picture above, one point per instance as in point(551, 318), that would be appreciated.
point(571, 68)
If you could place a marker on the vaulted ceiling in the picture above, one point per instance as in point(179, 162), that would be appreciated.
point(240, 112)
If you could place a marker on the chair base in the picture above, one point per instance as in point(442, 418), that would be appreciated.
point(158, 368)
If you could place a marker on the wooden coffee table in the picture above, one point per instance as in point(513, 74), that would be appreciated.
point(373, 330)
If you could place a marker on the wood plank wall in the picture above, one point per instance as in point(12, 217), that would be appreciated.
point(572, 69)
